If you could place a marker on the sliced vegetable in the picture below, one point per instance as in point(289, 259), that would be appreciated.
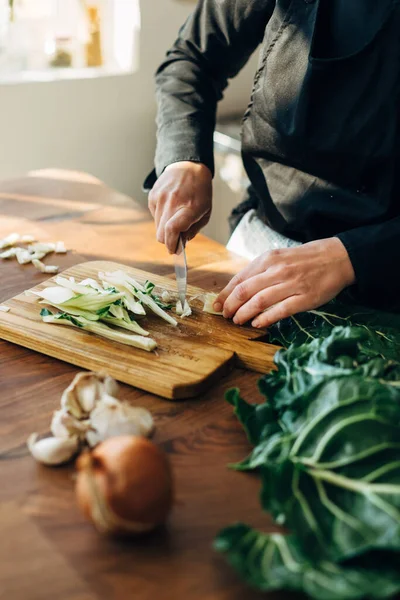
point(78, 288)
point(129, 300)
point(23, 256)
point(44, 268)
point(10, 240)
point(209, 300)
point(183, 311)
point(10, 253)
point(118, 316)
point(119, 278)
point(137, 341)
point(55, 295)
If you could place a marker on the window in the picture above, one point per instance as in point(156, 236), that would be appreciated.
point(53, 39)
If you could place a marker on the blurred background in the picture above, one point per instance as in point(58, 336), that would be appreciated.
point(77, 92)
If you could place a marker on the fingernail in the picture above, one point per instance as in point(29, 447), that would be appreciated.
point(218, 307)
point(256, 324)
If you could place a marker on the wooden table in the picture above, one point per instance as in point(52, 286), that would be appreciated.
point(46, 547)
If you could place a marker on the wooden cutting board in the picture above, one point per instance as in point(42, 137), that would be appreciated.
point(189, 358)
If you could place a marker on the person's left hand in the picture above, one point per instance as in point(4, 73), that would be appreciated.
point(281, 283)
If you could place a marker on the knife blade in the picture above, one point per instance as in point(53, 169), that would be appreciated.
point(181, 270)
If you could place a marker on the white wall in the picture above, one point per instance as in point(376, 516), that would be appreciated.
point(103, 126)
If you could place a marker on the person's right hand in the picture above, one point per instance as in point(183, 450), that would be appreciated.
point(181, 202)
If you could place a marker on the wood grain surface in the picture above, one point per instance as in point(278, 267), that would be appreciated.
point(189, 357)
point(201, 436)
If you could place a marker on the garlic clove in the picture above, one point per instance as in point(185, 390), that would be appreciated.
point(112, 418)
point(142, 416)
point(65, 425)
point(85, 391)
point(69, 403)
point(88, 392)
point(53, 451)
point(111, 387)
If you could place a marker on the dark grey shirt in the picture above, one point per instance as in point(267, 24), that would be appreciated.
point(320, 134)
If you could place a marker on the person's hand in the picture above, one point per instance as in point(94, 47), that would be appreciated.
point(181, 202)
point(285, 282)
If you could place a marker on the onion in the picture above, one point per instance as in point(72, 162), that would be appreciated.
point(124, 486)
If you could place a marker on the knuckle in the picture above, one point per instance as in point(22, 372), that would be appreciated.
point(274, 254)
point(285, 271)
point(169, 228)
point(175, 195)
point(241, 292)
point(304, 287)
point(236, 280)
point(258, 304)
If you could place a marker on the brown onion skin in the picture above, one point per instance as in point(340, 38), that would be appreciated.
point(134, 477)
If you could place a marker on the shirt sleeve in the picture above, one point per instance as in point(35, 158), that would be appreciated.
point(213, 45)
point(374, 251)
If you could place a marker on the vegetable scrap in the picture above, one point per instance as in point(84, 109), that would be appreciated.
point(209, 300)
point(44, 268)
point(183, 311)
point(33, 253)
point(4, 308)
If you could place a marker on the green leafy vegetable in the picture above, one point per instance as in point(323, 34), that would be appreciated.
point(275, 561)
point(327, 446)
point(307, 326)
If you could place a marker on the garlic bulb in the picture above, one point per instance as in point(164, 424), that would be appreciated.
point(85, 390)
point(53, 451)
point(125, 486)
point(112, 418)
point(64, 425)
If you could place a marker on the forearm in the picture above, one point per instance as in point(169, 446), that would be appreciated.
point(213, 45)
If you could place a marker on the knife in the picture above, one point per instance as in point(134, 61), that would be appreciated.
point(181, 270)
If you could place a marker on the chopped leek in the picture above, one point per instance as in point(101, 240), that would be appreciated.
point(137, 341)
point(209, 300)
point(119, 278)
point(117, 315)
